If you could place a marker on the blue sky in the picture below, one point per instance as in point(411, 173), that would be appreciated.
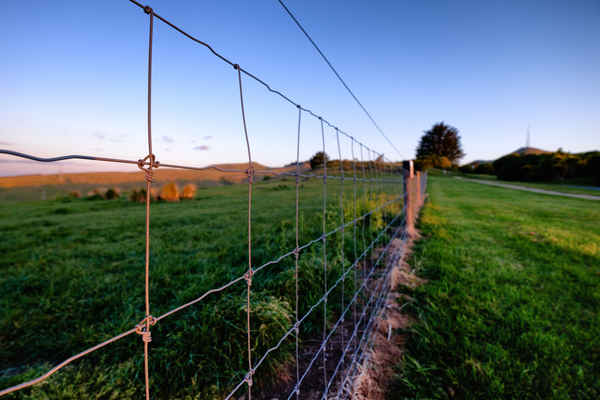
point(73, 77)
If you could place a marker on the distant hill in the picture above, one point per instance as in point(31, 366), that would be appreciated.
point(161, 175)
point(476, 163)
point(523, 151)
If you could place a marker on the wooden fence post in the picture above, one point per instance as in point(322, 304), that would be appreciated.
point(409, 199)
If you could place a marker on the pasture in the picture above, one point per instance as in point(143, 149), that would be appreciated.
point(73, 276)
point(511, 306)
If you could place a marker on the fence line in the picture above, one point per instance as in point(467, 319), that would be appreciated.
point(373, 175)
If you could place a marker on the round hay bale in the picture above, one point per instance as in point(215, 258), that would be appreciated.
point(189, 191)
point(96, 194)
point(169, 192)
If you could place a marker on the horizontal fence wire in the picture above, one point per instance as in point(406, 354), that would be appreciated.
point(373, 173)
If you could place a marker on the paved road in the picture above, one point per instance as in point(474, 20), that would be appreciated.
point(528, 189)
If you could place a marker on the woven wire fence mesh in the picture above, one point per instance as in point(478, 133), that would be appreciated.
point(368, 205)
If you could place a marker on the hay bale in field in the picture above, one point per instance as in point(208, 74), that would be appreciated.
point(169, 192)
point(112, 193)
point(75, 194)
point(189, 191)
point(96, 194)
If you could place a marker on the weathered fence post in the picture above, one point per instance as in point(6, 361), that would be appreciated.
point(418, 191)
point(409, 200)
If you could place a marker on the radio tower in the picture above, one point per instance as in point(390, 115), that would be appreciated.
point(528, 137)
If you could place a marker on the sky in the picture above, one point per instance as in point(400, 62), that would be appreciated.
point(73, 78)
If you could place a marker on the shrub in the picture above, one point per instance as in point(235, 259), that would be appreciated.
point(112, 193)
point(139, 195)
point(75, 194)
point(189, 191)
point(484, 168)
point(169, 192)
point(224, 181)
point(466, 169)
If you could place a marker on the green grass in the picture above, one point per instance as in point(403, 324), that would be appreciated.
point(511, 309)
point(72, 275)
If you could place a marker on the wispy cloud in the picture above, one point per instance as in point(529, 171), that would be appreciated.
point(118, 139)
point(6, 144)
point(201, 148)
point(207, 137)
point(168, 139)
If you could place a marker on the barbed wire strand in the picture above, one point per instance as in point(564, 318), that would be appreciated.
point(293, 17)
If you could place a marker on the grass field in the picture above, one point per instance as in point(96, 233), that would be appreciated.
point(511, 309)
point(73, 276)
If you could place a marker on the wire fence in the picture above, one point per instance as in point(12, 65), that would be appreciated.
point(344, 337)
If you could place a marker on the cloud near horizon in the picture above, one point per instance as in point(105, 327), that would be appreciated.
point(168, 139)
point(201, 148)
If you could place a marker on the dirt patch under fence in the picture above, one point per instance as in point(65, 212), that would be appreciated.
point(377, 369)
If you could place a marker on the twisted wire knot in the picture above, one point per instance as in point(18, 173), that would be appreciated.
point(152, 163)
point(148, 10)
point(143, 328)
point(250, 172)
point(249, 377)
point(248, 277)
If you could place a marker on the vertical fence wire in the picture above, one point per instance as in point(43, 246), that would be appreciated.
point(354, 240)
point(297, 252)
point(250, 173)
point(342, 249)
point(146, 335)
point(324, 256)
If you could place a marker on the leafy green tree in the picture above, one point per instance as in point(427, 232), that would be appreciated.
point(439, 145)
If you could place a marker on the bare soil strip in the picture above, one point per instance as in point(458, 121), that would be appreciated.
point(388, 344)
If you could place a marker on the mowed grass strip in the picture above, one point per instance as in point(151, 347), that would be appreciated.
point(511, 309)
